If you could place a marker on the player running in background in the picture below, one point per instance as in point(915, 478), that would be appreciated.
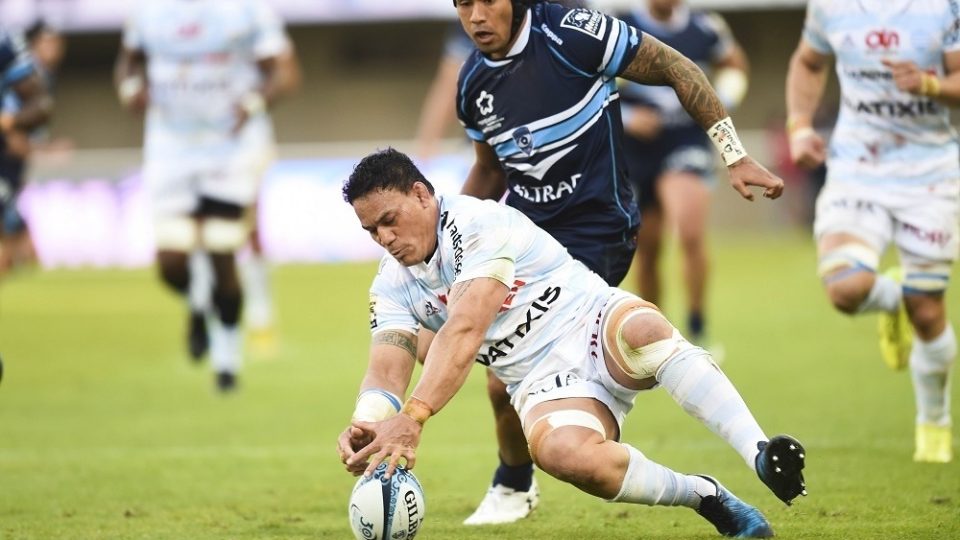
point(205, 72)
point(572, 350)
point(46, 46)
point(259, 317)
point(669, 157)
point(535, 99)
point(893, 176)
point(22, 83)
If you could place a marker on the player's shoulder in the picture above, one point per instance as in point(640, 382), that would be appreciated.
point(566, 23)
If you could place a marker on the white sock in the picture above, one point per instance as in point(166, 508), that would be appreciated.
point(647, 482)
point(226, 347)
point(257, 299)
point(695, 382)
point(930, 365)
point(201, 282)
point(885, 295)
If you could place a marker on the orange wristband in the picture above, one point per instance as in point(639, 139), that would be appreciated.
point(417, 409)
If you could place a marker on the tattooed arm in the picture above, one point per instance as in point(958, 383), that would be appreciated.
point(392, 354)
point(472, 306)
point(660, 65)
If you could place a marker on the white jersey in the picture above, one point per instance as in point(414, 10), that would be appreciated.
point(201, 60)
point(550, 296)
point(882, 134)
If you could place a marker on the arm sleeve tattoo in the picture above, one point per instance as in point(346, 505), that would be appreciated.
point(659, 64)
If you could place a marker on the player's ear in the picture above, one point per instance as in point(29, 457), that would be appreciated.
point(423, 195)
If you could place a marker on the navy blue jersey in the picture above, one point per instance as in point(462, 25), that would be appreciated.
point(549, 110)
point(16, 63)
point(701, 37)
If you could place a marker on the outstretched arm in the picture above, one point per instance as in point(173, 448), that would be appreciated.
point(472, 307)
point(658, 64)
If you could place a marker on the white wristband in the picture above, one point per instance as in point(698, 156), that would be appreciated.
point(801, 133)
point(129, 88)
point(724, 137)
point(376, 404)
point(253, 103)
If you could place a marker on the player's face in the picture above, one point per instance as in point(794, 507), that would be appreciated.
point(487, 22)
point(663, 5)
point(405, 224)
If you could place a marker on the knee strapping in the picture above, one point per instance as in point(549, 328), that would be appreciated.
point(847, 258)
point(925, 278)
point(544, 425)
point(641, 362)
point(175, 233)
point(223, 235)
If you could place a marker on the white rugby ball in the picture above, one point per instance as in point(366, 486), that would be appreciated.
point(382, 509)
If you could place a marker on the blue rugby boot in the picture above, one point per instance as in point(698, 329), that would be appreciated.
point(731, 516)
point(779, 465)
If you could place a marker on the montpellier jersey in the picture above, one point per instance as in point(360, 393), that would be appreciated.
point(550, 292)
point(882, 134)
point(201, 60)
point(16, 64)
point(701, 37)
point(549, 110)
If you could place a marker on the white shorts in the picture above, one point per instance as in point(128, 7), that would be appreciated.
point(923, 222)
point(177, 178)
point(575, 369)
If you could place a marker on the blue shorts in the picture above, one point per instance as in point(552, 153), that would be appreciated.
point(685, 149)
point(610, 260)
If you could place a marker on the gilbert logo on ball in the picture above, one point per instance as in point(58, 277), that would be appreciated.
point(387, 509)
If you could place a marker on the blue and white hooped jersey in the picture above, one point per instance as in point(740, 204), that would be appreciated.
point(201, 60)
point(16, 63)
point(884, 135)
point(702, 37)
point(550, 292)
point(549, 110)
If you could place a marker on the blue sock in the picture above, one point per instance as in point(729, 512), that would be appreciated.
point(518, 477)
point(696, 324)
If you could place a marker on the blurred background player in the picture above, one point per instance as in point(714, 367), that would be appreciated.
point(46, 46)
point(558, 156)
point(893, 176)
point(252, 265)
point(27, 106)
point(205, 72)
point(670, 158)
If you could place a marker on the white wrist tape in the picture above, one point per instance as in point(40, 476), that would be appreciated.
point(129, 88)
point(801, 133)
point(731, 86)
point(376, 404)
point(253, 103)
point(724, 137)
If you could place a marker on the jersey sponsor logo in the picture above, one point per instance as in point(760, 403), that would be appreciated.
point(456, 241)
point(549, 33)
point(882, 39)
point(560, 380)
point(373, 312)
point(524, 140)
point(938, 237)
point(538, 308)
point(511, 295)
point(189, 31)
point(868, 74)
point(485, 103)
point(548, 193)
point(897, 109)
point(591, 23)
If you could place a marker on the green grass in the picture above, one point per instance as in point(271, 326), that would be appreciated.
point(107, 431)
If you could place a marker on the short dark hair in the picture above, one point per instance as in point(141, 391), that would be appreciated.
point(382, 170)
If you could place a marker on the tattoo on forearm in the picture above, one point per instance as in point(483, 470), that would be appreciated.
point(659, 64)
point(403, 340)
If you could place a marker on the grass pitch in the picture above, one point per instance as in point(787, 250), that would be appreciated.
point(107, 431)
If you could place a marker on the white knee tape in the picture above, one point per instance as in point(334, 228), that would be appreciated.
point(573, 417)
point(849, 255)
point(177, 233)
point(221, 235)
point(931, 278)
point(643, 362)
